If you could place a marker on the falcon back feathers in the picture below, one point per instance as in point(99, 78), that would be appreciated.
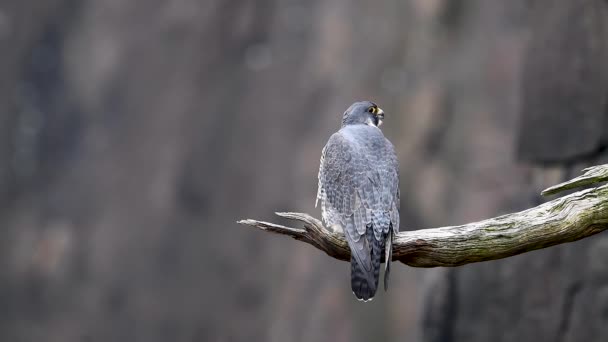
point(359, 191)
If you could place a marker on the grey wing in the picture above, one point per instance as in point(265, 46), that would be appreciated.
point(392, 186)
point(386, 207)
point(380, 190)
point(395, 203)
point(342, 182)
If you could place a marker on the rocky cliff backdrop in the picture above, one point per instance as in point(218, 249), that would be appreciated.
point(133, 135)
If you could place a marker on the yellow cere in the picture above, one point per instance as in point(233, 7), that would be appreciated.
point(375, 110)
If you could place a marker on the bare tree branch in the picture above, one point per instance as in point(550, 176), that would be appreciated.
point(566, 219)
point(591, 175)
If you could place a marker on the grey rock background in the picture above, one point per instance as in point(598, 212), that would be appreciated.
point(135, 133)
point(558, 294)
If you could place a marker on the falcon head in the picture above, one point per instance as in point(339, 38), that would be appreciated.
point(364, 112)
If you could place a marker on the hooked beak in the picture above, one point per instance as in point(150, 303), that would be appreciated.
point(380, 116)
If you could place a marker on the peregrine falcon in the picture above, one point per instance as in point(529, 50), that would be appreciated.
point(359, 193)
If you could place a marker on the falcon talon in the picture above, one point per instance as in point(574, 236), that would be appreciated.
point(355, 198)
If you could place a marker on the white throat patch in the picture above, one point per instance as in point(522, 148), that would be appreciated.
point(370, 122)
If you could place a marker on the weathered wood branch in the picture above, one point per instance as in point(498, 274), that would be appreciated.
point(566, 219)
point(592, 175)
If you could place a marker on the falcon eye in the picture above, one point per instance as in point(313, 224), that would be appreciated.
point(372, 110)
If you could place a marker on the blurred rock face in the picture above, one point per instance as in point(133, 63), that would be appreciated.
point(565, 84)
point(134, 134)
point(555, 294)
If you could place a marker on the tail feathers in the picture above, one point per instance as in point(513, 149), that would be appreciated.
point(360, 283)
point(377, 252)
point(362, 288)
point(388, 256)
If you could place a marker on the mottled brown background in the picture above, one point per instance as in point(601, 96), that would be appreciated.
point(133, 135)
